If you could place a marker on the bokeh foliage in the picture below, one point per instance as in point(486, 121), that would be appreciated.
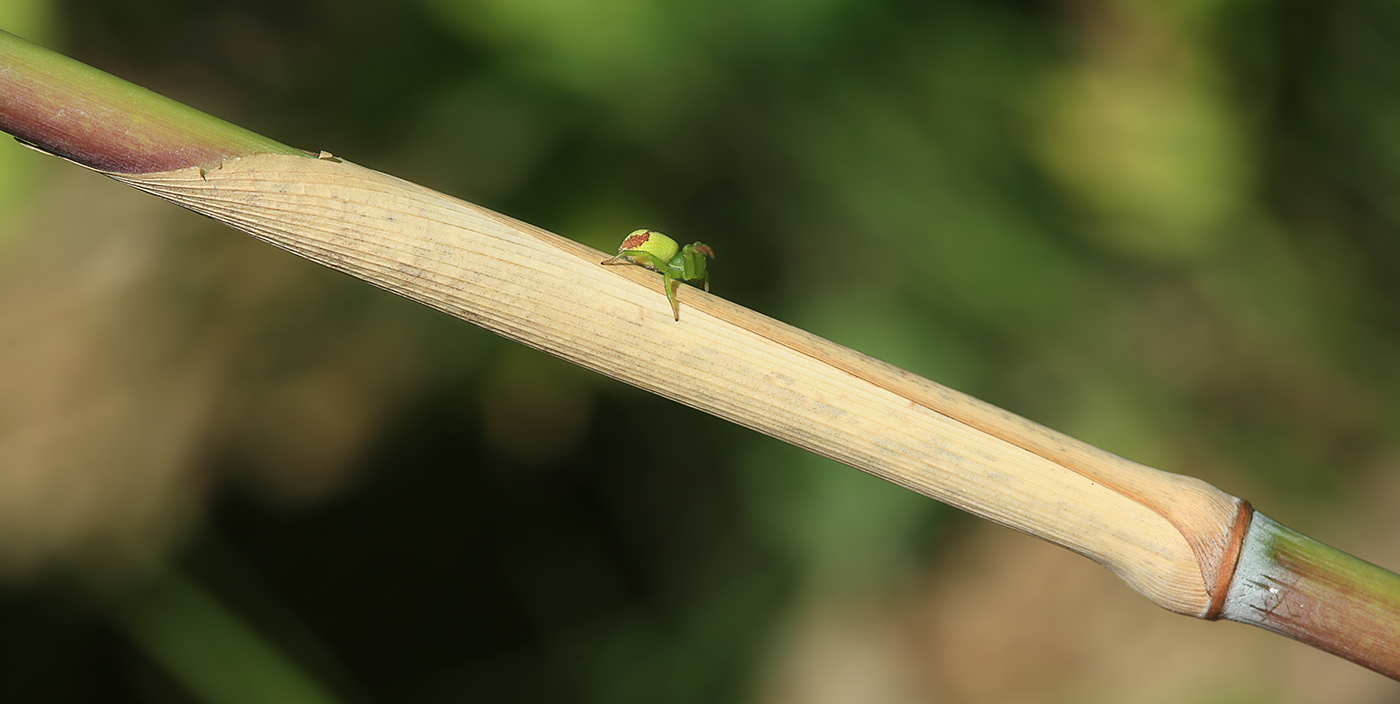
point(1166, 228)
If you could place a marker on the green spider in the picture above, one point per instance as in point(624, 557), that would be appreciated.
point(661, 254)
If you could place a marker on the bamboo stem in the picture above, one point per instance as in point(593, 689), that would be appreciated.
point(1310, 592)
point(95, 119)
point(1175, 539)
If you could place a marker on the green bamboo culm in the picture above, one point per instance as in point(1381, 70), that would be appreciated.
point(95, 119)
point(1316, 594)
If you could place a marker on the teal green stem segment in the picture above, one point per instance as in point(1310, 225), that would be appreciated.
point(82, 114)
point(210, 650)
point(1293, 585)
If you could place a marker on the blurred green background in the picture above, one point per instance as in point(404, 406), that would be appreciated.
point(1169, 229)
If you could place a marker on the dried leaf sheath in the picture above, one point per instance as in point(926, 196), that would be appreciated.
point(1160, 532)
